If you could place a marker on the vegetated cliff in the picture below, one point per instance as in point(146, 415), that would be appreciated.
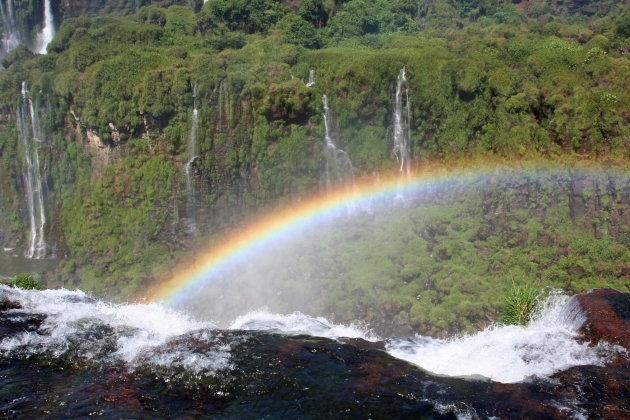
point(116, 95)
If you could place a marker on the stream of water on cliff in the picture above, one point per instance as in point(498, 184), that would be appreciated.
point(48, 30)
point(11, 36)
point(30, 136)
point(338, 166)
point(401, 124)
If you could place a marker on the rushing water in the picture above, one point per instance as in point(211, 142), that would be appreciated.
point(250, 341)
point(89, 357)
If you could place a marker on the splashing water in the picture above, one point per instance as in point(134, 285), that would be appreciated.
point(298, 323)
point(74, 323)
point(48, 29)
point(139, 331)
point(509, 353)
point(31, 139)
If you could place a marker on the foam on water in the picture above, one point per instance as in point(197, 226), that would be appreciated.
point(298, 323)
point(509, 353)
point(73, 320)
point(76, 325)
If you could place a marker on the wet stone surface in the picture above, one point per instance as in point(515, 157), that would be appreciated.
point(294, 376)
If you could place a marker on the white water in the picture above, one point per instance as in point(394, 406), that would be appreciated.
point(11, 37)
point(311, 78)
point(31, 139)
point(140, 331)
point(402, 127)
point(298, 323)
point(48, 30)
point(339, 169)
point(509, 353)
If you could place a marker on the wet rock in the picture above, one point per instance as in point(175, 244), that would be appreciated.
point(607, 316)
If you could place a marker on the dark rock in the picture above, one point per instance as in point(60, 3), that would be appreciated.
point(607, 316)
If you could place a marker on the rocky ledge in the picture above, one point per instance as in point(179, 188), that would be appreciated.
point(303, 376)
point(607, 314)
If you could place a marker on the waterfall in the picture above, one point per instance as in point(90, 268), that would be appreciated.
point(311, 78)
point(30, 140)
point(11, 37)
point(402, 127)
point(338, 170)
point(48, 30)
point(192, 148)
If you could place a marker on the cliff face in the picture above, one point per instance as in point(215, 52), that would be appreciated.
point(77, 8)
point(120, 98)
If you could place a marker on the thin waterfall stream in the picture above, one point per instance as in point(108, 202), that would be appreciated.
point(402, 126)
point(30, 138)
point(192, 148)
point(338, 166)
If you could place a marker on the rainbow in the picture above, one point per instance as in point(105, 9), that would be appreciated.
point(242, 242)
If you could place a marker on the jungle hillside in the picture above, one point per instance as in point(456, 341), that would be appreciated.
point(162, 125)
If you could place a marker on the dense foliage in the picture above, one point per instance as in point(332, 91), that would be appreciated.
point(447, 261)
point(25, 281)
point(528, 80)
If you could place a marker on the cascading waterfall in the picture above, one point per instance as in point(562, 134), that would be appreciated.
point(33, 184)
point(339, 169)
point(311, 78)
point(402, 127)
point(11, 37)
point(48, 30)
point(192, 147)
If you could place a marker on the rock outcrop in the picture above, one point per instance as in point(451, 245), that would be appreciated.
point(607, 316)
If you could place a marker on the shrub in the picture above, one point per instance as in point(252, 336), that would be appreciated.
point(26, 281)
point(520, 302)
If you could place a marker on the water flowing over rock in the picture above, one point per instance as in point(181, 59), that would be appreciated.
point(30, 137)
point(607, 313)
point(18, 32)
point(401, 123)
point(48, 30)
point(134, 360)
point(192, 148)
point(311, 78)
point(11, 36)
point(338, 166)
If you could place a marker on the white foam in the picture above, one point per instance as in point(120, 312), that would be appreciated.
point(509, 353)
point(298, 323)
point(139, 328)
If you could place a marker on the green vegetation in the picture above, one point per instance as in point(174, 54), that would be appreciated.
point(445, 264)
point(520, 304)
point(504, 81)
point(26, 281)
